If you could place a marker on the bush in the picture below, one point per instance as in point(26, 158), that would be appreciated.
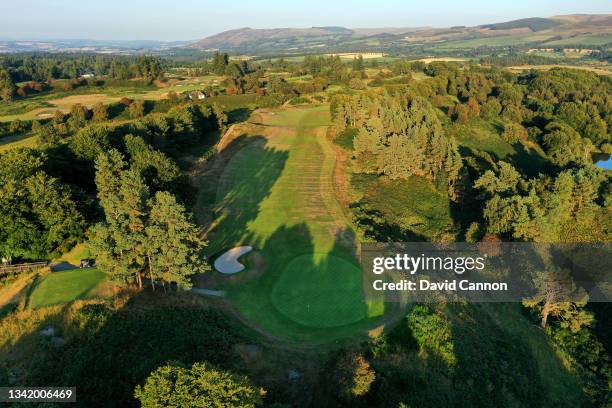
point(357, 84)
point(201, 385)
point(353, 375)
point(137, 109)
point(514, 133)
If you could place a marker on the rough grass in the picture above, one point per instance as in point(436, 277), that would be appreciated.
point(559, 385)
point(12, 142)
point(485, 136)
point(276, 194)
point(414, 204)
point(64, 287)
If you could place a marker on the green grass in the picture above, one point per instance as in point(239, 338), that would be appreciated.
point(593, 40)
point(500, 41)
point(305, 283)
point(276, 194)
point(345, 139)
point(74, 256)
point(64, 287)
point(12, 142)
point(485, 136)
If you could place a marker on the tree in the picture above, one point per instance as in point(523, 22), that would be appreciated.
point(221, 116)
point(137, 109)
point(514, 133)
point(399, 135)
point(38, 218)
point(460, 113)
point(149, 68)
point(353, 375)
point(357, 84)
point(358, 66)
point(157, 169)
point(505, 181)
point(490, 109)
point(100, 112)
point(7, 86)
point(565, 146)
point(473, 107)
point(118, 243)
point(173, 246)
point(201, 386)
point(142, 235)
point(558, 296)
point(79, 115)
point(91, 141)
point(219, 63)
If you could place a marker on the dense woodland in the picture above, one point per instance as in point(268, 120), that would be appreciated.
point(111, 176)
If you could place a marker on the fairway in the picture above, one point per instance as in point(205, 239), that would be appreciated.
point(65, 287)
point(276, 194)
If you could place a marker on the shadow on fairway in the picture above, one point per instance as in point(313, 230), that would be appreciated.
point(244, 184)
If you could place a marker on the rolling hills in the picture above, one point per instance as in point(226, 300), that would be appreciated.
point(579, 30)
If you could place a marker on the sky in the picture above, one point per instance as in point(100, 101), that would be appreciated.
point(171, 20)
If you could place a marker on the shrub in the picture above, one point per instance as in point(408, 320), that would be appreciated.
point(354, 375)
point(514, 133)
point(201, 385)
point(357, 84)
point(137, 109)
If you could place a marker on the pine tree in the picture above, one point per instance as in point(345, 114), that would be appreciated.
point(7, 86)
point(558, 296)
point(173, 246)
point(142, 235)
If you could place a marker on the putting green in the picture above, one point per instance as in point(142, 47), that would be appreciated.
point(320, 295)
point(64, 287)
point(276, 194)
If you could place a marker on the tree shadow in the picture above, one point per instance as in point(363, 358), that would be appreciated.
point(449, 354)
point(106, 352)
point(528, 161)
point(247, 169)
point(115, 109)
point(375, 226)
point(239, 115)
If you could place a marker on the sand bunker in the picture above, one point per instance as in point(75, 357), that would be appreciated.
point(228, 262)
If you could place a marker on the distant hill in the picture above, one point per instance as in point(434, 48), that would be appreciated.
point(235, 38)
point(581, 30)
point(534, 24)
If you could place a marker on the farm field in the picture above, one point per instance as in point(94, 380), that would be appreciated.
point(66, 286)
point(600, 70)
point(488, 41)
point(276, 195)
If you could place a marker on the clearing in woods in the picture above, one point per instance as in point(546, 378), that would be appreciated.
point(275, 193)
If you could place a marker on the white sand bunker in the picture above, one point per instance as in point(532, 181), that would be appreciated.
point(228, 262)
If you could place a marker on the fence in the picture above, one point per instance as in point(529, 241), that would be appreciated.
point(10, 269)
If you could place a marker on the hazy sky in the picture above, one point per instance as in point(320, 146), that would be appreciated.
point(192, 19)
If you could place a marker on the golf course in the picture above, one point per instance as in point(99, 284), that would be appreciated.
point(275, 193)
